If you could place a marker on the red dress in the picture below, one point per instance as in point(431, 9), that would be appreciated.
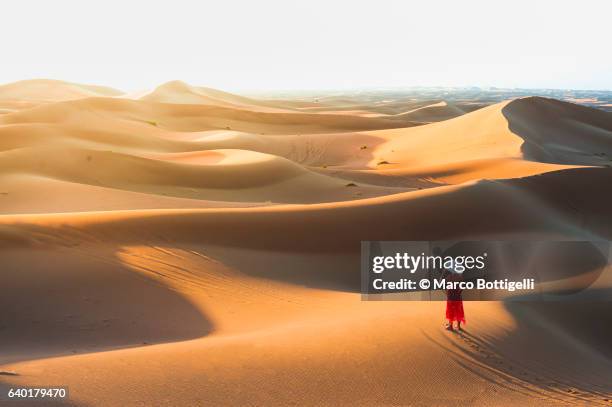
point(454, 306)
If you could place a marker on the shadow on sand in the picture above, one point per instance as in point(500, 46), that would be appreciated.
point(560, 132)
point(538, 358)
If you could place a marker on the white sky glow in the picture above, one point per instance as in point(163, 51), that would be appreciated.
point(267, 45)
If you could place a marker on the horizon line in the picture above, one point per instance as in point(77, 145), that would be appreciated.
point(321, 89)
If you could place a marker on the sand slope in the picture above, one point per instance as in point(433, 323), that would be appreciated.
point(183, 93)
point(46, 90)
point(435, 112)
point(152, 256)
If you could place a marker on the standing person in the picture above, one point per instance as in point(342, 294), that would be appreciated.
point(454, 304)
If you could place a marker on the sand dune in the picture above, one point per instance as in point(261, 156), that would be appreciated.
point(549, 204)
point(240, 176)
point(549, 128)
point(196, 117)
point(445, 174)
point(46, 90)
point(221, 261)
point(434, 113)
point(212, 241)
point(419, 111)
point(21, 193)
point(479, 144)
point(182, 93)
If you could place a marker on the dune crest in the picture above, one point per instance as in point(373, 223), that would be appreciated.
point(48, 90)
point(213, 240)
point(182, 93)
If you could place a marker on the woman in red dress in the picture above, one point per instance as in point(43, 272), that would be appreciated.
point(454, 305)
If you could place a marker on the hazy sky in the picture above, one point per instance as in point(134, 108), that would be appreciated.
point(256, 45)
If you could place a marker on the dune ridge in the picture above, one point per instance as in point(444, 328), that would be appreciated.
point(211, 241)
point(47, 90)
point(182, 93)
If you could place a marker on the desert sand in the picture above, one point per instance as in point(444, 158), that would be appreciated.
point(188, 246)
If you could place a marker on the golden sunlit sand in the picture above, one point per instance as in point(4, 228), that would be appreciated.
point(211, 241)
